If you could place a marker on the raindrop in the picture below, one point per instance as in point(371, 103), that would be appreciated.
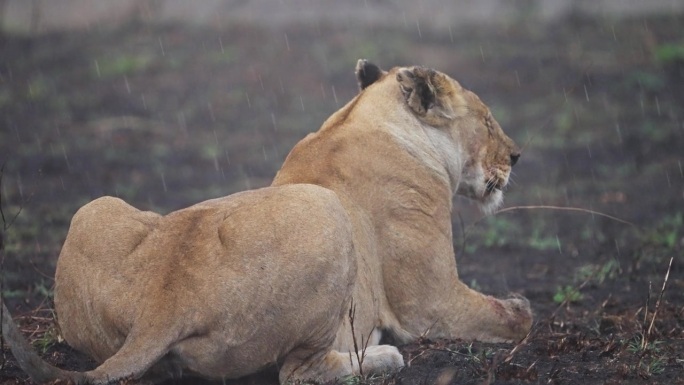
point(517, 77)
point(617, 247)
point(163, 180)
point(97, 68)
point(249, 104)
point(612, 28)
point(221, 44)
point(334, 95)
point(282, 87)
point(451, 35)
point(39, 144)
point(565, 94)
point(560, 250)
point(482, 54)
point(323, 91)
point(287, 43)
point(211, 115)
point(161, 45)
point(657, 105)
point(20, 186)
point(128, 86)
point(66, 158)
point(216, 164)
point(589, 151)
point(667, 175)
point(539, 196)
point(679, 162)
point(181, 122)
point(61, 180)
point(586, 93)
point(617, 128)
point(227, 157)
point(420, 35)
point(301, 101)
point(263, 151)
point(403, 16)
point(273, 120)
point(144, 102)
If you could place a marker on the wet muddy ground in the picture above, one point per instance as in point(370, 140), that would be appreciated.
point(164, 117)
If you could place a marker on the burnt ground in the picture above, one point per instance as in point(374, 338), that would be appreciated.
point(167, 116)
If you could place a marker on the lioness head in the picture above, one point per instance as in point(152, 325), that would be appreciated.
point(483, 153)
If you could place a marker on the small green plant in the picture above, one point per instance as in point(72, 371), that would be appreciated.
point(647, 81)
point(598, 273)
point(351, 380)
point(45, 341)
point(567, 294)
point(651, 358)
point(44, 290)
point(636, 345)
point(498, 232)
point(473, 354)
point(654, 366)
point(669, 54)
point(14, 293)
point(122, 65)
point(543, 243)
point(667, 233)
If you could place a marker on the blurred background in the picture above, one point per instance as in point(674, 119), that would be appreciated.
point(165, 103)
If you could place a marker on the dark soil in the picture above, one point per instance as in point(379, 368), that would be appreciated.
point(164, 117)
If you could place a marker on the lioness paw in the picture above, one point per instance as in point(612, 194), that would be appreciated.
point(381, 358)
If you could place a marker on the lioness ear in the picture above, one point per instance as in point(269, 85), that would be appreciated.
point(367, 73)
point(417, 86)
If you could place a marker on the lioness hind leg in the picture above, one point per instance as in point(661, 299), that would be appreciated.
point(299, 366)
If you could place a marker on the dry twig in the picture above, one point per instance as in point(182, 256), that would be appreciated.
point(562, 208)
point(364, 344)
point(647, 335)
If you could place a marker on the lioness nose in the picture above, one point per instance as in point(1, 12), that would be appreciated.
point(514, 158)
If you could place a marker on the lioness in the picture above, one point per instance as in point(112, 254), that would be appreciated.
point(359, 213)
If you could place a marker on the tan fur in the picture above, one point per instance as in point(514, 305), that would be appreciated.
point(395, 166)
point(359, 213)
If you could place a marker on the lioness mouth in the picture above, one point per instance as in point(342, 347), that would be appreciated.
point(492, 186)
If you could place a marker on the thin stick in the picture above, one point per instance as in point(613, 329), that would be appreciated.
point(561, 208)
point(660, 297)
point(515, 349)
point(648, 306)
point(2, 266)
point(359, 359)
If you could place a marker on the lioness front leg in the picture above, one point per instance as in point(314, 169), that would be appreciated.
point(438, 304)
point(476, 316)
